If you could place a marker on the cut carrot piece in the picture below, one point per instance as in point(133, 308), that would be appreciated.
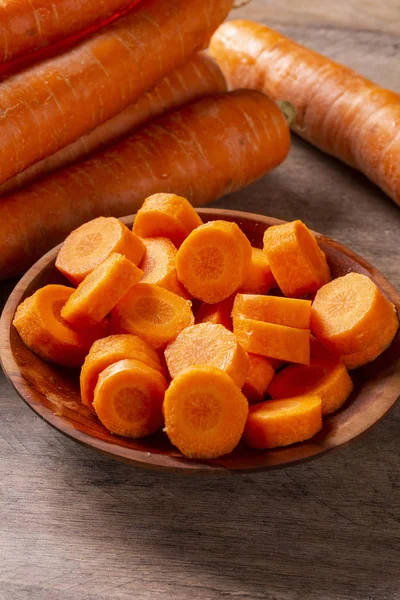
point(100, 291)
point(297, 262)
point(159, 267)
point(213, 261)
point(208, 344)
point(259, 279)
point(273, 341)
point(87, 247)
point(128, 398)
point(108, 351)
point(219, 314)
point(273, 309)
point(166, 215)
point(39, 323)
point(205, 412)
point(283, 422)
point(153, 314)
point(259, 376)
point(326, 378)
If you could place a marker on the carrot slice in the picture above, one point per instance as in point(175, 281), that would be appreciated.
point(128, 398)
point(213, 261)
point(326, 378)
point(219, 314)
point(208, 344)
point(87, 247)
point(273, 341)
point(273, 309)
point(259, 279)
point(205, 412)
point(39, 322)
point(297, 262)
point(259, 376)
point(166, 215)
point(153, 314)
point(158, 265)
point(283, 422)
point(100, 291)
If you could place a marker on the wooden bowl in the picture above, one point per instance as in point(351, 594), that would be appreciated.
point(53, 392)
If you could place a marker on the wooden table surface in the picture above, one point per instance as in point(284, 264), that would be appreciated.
point(75, 525)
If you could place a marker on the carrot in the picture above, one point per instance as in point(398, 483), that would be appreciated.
point(213, 261)
point(159, 265)
point(110, 350)
point(289, 344)
point(153, 314)
point(259, 377)
point(208, 344)
point(166, 215)
point(55, 102)
point(128, 398)
point(259, 279)
point(202, 151)
point(283, 422)
point(219, 313)
point(350, 315)
point(89, 245)
point(297, 263)
point(326, 378)
point(205, 412)
point(39, 323)
point(199, 77)
point(273, 309)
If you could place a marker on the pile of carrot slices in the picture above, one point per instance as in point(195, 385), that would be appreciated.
point(263, 357)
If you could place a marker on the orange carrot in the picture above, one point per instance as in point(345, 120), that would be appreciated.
point(202, 151)
point(159, 265)
point(39, 323)
point(205, 412)
point(297, 263)
point(259, 377)
point(213, 261)
point(128, 398)
point(199, 77)
point(219, 313)
point(273, 309)
point(259, 279)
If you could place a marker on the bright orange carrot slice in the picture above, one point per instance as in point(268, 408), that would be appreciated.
point(208, 344)
point(283, 422)
point(213, 261)
point(128, 398)
point(259, 279)
point(159, 267)
point(205, 412)
point(153, 314)
point(259, 376)
point(219, 314)
point(273, 309)
point(39, 322)
point(297, 262)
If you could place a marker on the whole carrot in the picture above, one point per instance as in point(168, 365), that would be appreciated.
point(206, 149)
point(52, 104)
point(337, 110)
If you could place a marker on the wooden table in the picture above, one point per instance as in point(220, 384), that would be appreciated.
point(74, 525)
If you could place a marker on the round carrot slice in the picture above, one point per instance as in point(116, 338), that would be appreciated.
point(128, 399)
point(219, 313)
point(213, 261)
point(259, 279)
point(259, 376)
point(159, 267)
point(205, 412)
point(208, 344)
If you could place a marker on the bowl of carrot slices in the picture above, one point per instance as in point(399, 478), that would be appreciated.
point(203, 341)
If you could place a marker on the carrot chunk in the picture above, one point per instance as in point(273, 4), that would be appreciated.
point(128, 398)
point(213, 261)
point(259, 279)
point(90, 244)
point(168, 216)
point(205, 412)
point(219, 314)
point(153, 314)
point(100, 291)
point(159, 267)
point(259, 376)
point(39, 322)
point(297, 262)
point(208, 344)
point(283, 422)
point(273, 309)
point(109, 350)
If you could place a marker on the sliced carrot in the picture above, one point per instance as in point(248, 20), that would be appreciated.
point(297, 262)
point(39, 322)
point(213, 261)
point(166, 215)
point(208, 344)
point(153, 314)
point(259, 279)
point(159, 267)
point(273, 309)
point(87, 247)
point(128, 398)
point(273, 341)
point(283, 422)
point(205, 412)
point(219, 313)
point(259, 376)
